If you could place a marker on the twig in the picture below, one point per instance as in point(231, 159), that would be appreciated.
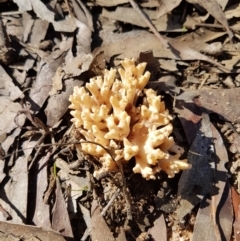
point(110, 202)
point(125, 192)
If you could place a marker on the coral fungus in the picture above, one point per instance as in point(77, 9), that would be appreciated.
point(107, 111)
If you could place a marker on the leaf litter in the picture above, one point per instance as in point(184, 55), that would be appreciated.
point(48, 48)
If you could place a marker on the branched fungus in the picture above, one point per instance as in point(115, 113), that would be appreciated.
point(107, 112)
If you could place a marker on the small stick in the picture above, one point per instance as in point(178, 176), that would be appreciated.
point(110, 202)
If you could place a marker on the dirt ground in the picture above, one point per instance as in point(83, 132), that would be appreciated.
point(52, 188)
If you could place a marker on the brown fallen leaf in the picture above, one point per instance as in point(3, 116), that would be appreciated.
point(189, 115)
point(233, 11)
point(223, 102)
point(167, 6)
point(214, 218)
point(41, 88)
point(213, 7)
point(206, 227)
point(8, 108)
point(159, 230)
point(60, 219)
point(43, 11)
point(14, 194)
point(223, 3)
point(87, 218)
point(198, 39)
point(198, 182)
point(11, 231)
point(236, 208)
point(126, 14)
point(222, 202)
point(41, 210)
point(100, 230)
point(112, 41)
point(57, 104)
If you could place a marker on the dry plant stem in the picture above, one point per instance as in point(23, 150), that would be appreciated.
point(110, 202)
point(11, 13)
point(125, 192)
point(203, 81)
point(38, 150)
point(51, 187)
point(208, 25)
point(149, 23)
point(58, 144)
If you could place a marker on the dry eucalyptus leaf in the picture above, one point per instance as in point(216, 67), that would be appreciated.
point(57, 104)
point(198, 39)
point(87, 218)
point(236, 207)
point(11, 231)
point(8, 109)
point(233, 11)
point(14, 194)
point(222, 201)
point(167, 6)
point(100, 230)
point(223, 3)
point(41, 88)
point(57, 81)
point(159, 230)
point(201, 174)
point(37, 6)
point(112, 41)
point(41, 216)
point(77, 65)
point(213, 7)
point(60, 218)
point(129, 15)
point(223, 102)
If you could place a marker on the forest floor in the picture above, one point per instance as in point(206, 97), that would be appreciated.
point(48, 190)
